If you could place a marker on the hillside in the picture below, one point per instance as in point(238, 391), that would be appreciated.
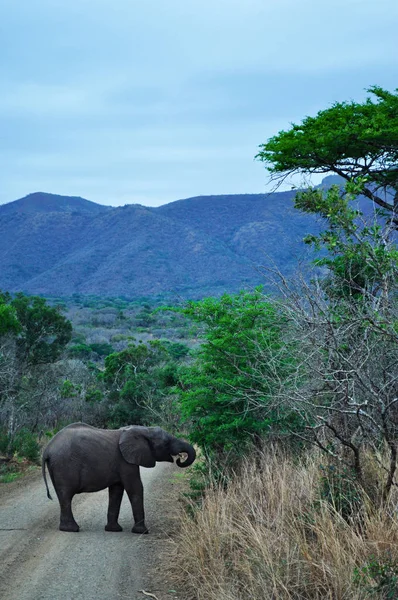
point(40, 202)
point(265, 228)
point(57, 245)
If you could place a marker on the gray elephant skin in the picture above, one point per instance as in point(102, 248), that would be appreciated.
point(81, 458)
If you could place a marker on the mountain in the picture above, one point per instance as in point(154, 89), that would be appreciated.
point(59, 245)
point(264, 228)
point(40, 202)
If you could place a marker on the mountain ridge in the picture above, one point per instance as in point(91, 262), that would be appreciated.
point(205, 245)
point(46, 202)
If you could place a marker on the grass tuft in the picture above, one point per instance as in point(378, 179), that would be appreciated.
point(275, 534)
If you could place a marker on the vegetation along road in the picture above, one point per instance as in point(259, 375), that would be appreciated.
point(39, 562)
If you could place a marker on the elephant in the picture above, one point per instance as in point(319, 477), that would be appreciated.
point(82, 458)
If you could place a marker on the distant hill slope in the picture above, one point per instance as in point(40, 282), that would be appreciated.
point(264, 228)
point(57, 245)
point(41, 202)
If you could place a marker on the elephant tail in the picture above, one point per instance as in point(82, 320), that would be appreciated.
point(43, 470)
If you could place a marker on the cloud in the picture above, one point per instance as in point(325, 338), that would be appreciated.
point(113, 100)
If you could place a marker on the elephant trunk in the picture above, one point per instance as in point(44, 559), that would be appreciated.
point(189, 450)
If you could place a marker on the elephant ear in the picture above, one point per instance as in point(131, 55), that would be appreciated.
point(135, 447)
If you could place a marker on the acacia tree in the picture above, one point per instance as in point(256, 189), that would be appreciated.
point(347, 322)
point(357, 141)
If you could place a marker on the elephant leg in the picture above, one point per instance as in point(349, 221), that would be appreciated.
point(135, 492)
point(67, 521)
point(115, 500)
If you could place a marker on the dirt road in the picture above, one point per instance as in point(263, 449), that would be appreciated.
point(38, 562)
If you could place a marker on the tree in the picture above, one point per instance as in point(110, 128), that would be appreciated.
point(32, 334)
point(9, 328)
point(361, 255)
point(229, 392)
point(44, 330)
point(347, 321)
point(9, 323)
point(348, 390)
point(357, 141)
point(139, 380)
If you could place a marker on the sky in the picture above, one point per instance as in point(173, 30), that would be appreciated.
point(150, 101)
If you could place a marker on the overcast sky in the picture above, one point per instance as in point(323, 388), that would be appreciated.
point(149, 101)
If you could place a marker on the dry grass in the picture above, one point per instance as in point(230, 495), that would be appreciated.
point(271, 536)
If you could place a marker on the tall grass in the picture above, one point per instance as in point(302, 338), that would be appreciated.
point(275, 534)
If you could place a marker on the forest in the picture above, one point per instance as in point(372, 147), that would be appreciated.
point(290, 396)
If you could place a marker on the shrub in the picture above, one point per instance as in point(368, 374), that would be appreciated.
point(82, 351)
point(379, 576)
point(229, 393)
point(3, 441)
point(8, 473)
point(102, 349)
point(24, 444)
point(339, 487)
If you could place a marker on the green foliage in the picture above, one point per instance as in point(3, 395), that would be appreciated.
point(353, 140)
point(40, 395)
point(120, 337)
point(9, 473)
point(379, 577)
point(338, 487)
point(68, 389)
point(94, 395)
point(8, 318)
point(43, 331)
point(82, 351)
point(176, 350)
point(138, 380)
point(228, 392)
point(359, 257)
point(3, 441)
point(200, 479)
point(350, 317)
point(24, 444)
point(85, 351)
point(37, 336)
point(145, 318)
point(78, 338)
point(102, 349)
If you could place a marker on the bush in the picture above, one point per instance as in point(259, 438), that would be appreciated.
point(82, 351)
point(3, 441)
point(24, 444)
point(338, 487)
point(102, 349)
point(8, 473)
point(379, 576)
point(229, 393)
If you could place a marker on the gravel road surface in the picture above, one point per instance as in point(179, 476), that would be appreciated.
point(39, 562)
